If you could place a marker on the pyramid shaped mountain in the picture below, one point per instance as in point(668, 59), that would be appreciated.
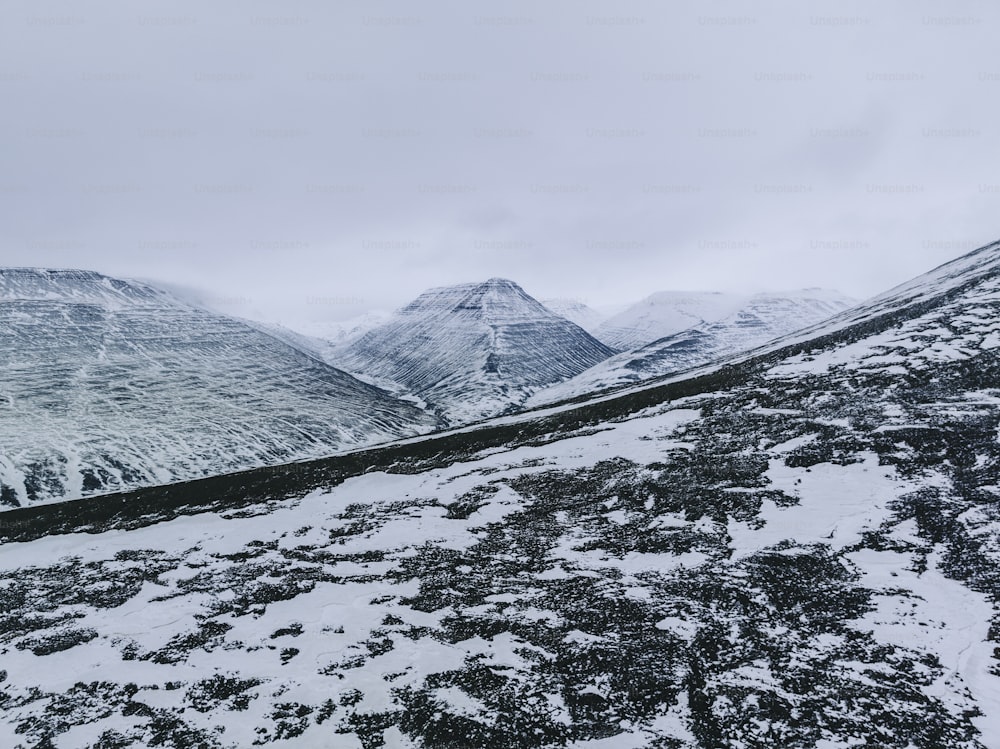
point(108, 384)
point(473, 350)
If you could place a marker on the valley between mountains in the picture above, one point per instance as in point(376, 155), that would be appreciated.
point(109, 385)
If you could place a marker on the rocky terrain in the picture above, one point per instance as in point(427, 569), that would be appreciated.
point(797, 549)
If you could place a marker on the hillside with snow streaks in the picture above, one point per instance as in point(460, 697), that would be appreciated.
point(107, 385)
point(472, 351)
point(577, 312)
point(665, 313)
point(668, 313)
point(798, 550)
point(759, 319)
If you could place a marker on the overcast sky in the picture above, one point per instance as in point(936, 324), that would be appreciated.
point(322, 156)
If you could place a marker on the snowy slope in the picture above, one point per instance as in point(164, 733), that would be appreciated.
point(800, 550)
point(758, 319)
point(665, 313)
point(576, 312)
point(326, 349)
point(107, 384)
point(473, 350)
point(315, 336)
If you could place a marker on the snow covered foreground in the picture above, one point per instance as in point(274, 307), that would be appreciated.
point(800, 552)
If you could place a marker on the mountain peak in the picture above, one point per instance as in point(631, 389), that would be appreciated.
point(473, 350)
point(28, 279)
point(496, 282)
point(495, 301)
point(73, 286)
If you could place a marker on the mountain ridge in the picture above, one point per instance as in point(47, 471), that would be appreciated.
point(757, 319)
point(137, 387)
point(666, 313)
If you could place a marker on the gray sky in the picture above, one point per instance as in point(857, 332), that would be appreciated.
point(313, 154)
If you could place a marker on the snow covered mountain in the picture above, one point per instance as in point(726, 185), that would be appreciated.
point(669, 312)
point(576, 312)
point(757, 320)
point(473, 350)
point(799, 549)
point(664, 313)
point(107, 384)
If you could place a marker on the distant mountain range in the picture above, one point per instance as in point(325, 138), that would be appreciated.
point(749, 322)
point(662, 314)
point(668, 312)
point(107, 384)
